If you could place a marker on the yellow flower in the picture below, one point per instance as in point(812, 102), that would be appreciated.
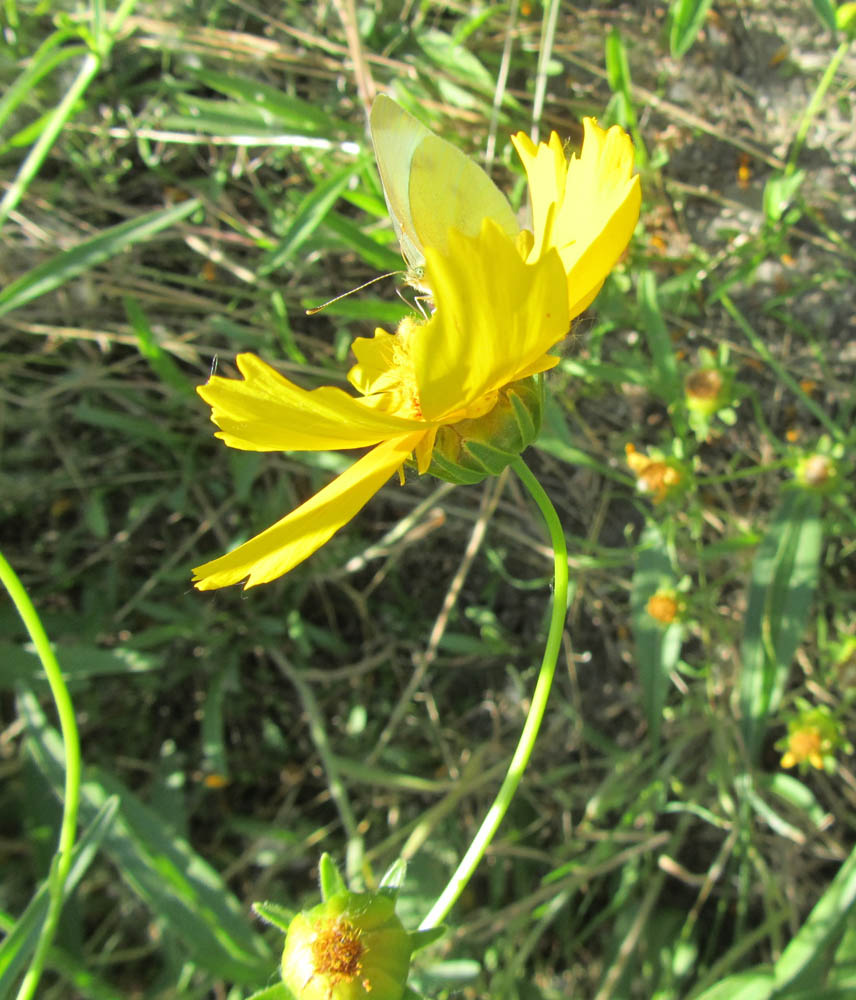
point(351, 947)
point(586, 207)
point(430, 374)
point(659, 477)
point(814, 735)
point(665, 607)
point(500, 306)
point(805, 745)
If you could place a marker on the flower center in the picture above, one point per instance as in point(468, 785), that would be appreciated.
point(805, 742)
point(337, 952)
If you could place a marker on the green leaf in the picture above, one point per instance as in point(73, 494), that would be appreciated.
point(311, 212)
point(188, 896)
point(686, 18)
point(784, 579)
point(277, 992)
point(826, 12)
point(754, 984)
point(805, 962)
point(162, 364)
point(618, 67)
point(88, 254)
point(281, 109)
point(79, 662)
point(658, 647)
point(665, 381)
point(273, 913)
point(50, 54)
point(779, 192)
point(18, 945)
point(460, 63)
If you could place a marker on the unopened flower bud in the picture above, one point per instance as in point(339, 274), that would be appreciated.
point(817, 472)
point(706, 391)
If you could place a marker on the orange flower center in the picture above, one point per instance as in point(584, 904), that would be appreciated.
point(805, 744)
point(337, 952)
point(663, 608)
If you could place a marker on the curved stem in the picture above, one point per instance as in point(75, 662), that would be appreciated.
point(814, 105)
point(475, 852)
point(71, 750)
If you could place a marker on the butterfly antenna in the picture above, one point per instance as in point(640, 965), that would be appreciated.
point(344, 295)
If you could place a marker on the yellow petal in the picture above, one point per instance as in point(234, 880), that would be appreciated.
point(596, 202)
point(546, 171)
point(377, 363)
point(288, 542)
point(266, 412)
point(496, 318)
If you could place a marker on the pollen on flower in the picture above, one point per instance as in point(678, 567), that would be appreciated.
point(337, 952)
point(403, 363)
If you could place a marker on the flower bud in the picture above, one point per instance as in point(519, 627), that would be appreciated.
point(350, 947)
point(845, 19)
point(817, 472)
point(471, 450)
point(706, 391)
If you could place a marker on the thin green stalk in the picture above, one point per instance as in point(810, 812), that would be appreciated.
point(338, 792)
point(40, 149)
point(92, 62)
point(475, 852)
point(764, 352)
point(814, 105)
point(71, 749)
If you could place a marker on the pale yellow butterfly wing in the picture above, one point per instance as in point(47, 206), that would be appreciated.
point(395, 136)
point(430, 185)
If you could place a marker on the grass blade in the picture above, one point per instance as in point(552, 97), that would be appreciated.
point(310, 214)
point(180, 887)
point(784, 579)
point(21, 941)
point(657, 647)
point(805, 962)
point(86, 255)
point(686, 18)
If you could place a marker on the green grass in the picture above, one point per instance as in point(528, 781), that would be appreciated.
point(180, 185)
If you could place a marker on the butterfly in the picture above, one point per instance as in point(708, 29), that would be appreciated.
point(430, 186)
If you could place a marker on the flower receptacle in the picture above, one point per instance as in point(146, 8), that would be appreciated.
point(471, 450)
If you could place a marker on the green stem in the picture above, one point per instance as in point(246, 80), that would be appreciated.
point(338, 792)
point(476, 851)
point(765, 354)
point(71, 748)
point(814, 105)
point(92, 62)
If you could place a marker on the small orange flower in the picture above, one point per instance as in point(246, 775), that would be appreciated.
point(659, 477)
point(664, 607)
point(813, 737)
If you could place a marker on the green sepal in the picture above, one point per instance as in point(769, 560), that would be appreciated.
point(421, 939)
point(273, 913)
point(470, 450)
point(329, 877)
